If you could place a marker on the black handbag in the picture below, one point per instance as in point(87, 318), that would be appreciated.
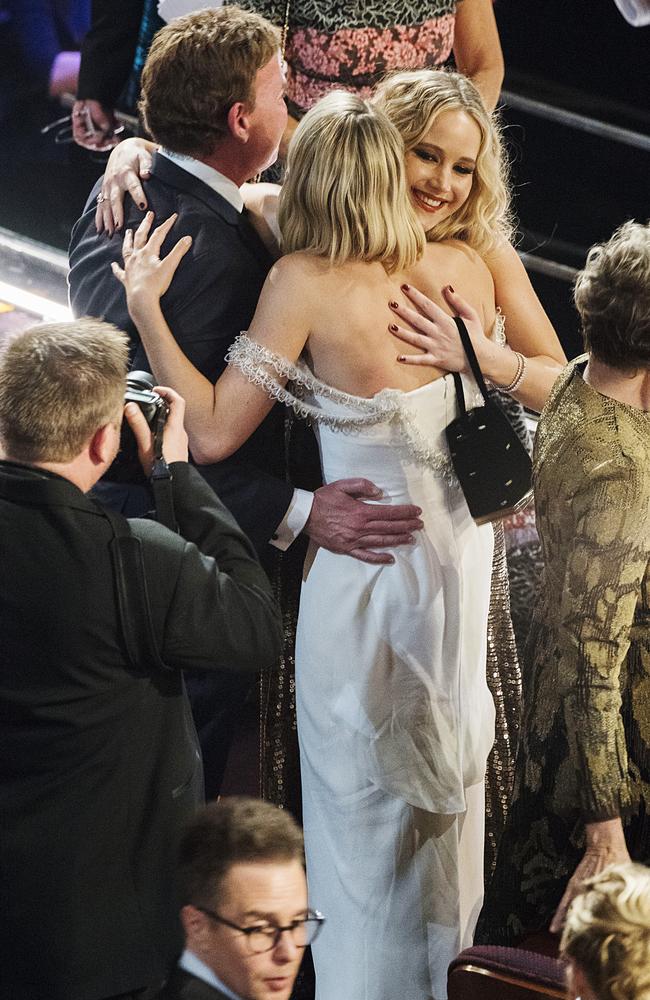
point(491, 463)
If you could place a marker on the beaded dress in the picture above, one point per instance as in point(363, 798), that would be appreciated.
point(395, 718)
point(585, 749)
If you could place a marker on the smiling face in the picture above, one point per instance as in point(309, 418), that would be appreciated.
point(440, 168)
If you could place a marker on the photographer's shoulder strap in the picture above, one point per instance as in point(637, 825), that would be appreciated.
point(161, 485)
point(133, 596)
point(161, 478)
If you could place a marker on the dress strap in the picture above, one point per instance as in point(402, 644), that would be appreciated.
point(288, 382)
point(272, 372)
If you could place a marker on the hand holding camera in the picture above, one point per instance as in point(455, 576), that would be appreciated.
point(152, 429)
point(175, 447)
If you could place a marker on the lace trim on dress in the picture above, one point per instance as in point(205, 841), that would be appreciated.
point(263, 367)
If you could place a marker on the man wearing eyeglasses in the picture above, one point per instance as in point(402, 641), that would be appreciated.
point(244, 912)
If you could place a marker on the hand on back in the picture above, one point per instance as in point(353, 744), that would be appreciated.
point(145, 275)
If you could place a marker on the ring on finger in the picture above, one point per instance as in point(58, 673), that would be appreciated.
point(100, 198)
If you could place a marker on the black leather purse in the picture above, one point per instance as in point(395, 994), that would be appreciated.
point(491, 463)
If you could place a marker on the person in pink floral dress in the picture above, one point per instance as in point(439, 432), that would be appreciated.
point(352, 44)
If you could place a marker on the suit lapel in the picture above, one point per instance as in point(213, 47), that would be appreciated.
point(174, 176)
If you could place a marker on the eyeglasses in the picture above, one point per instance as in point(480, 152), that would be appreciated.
point(265, 937)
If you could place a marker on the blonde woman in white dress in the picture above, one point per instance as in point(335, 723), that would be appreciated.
point(456, 176)
point(394, 715)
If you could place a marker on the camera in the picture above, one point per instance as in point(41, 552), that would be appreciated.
point(126, 466)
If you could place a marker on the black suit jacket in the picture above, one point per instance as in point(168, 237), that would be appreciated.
point(184, 986)
point(210, 301)
point(99, 765)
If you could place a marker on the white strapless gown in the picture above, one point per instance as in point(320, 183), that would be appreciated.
point(395, 719)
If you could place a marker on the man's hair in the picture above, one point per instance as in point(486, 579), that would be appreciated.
point(235, 829)
point(607, 933)
point(345, 195)
point(198, 66)
point(612, 295)
point(413, 100)
point(59, 383)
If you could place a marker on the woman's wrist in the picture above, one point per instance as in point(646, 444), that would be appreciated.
point(143, 306)
point(500, 365)
point(605, 834)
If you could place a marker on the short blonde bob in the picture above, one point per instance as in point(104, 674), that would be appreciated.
point(607, 933)
point(345, 195)
point(413, 101)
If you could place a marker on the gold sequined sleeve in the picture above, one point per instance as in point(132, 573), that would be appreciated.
point(604, 570)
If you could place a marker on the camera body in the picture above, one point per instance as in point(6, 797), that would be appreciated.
point(126, 466)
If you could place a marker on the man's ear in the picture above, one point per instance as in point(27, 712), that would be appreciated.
point(194, 922)
point(102, 445)
point(239, 121)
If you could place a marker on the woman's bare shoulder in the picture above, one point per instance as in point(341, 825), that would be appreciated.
point(503, 258)
point(296, 281)
point(302, 265)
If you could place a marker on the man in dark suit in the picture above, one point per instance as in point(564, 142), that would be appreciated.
point(99, 762)
point(212, 95)
point(245, 912)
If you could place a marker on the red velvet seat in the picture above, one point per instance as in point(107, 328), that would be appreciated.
point(492, 973)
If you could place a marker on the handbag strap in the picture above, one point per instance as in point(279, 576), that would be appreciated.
point(473, 363)
point(132, 595)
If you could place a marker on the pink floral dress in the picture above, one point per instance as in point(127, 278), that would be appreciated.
point(351, 44)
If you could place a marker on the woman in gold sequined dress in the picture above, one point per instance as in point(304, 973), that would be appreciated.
point(582, 790)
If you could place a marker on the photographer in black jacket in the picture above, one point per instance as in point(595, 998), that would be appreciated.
point(99, 763)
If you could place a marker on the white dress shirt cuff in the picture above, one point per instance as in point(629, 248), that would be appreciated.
point(294, 520)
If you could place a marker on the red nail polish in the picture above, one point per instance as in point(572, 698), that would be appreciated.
point(392, 327)
point(401, 357)
point(405, 288)
point(450, 288)
point(392, 304)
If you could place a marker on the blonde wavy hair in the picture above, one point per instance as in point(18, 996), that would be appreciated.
point(345, 195)
point(413, 100)
point(607, 933)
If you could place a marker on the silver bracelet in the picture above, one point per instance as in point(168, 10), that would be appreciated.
point(518, 377)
